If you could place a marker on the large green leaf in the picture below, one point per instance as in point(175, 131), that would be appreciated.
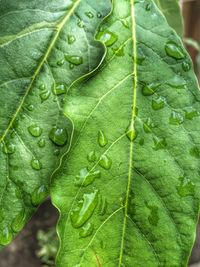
point(128, 192)
point(44, 47)
point(172, 11)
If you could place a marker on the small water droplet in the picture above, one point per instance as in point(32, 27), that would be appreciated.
point(73, 59)
point(176, 118)
point(45, 95)
point(8, 147)
point(36, 164)
point(84, 209)
point(195, 152)
point(186, 66)
point(125, 23)
point(186, 187)
point(58, 136)
point(174, 50)
point(39, 195)
point(35, 130)
point(148, 125)
point(86, 177)
point(148, 90)
point(102, 139)
point(107, 37)
point(102, 205)
point(71, 66)
point(6, 236)
point(42, 87)
point(19, 222)
point(105, 162)
point(99, 15)
point(71, 39)
point(141, 142)
point(131, 133)
point(158, 102)
point(30, 107)
point(191, 113)
point(89, 15)
point(159, 143)
point(148, 6)
point(42, 142)
point(59, 89)
point(60, 62)
point(91, 156)
point(86, 230)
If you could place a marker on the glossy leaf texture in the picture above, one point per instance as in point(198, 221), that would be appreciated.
point(172, 11)
point(128, 190)
point(44, 47)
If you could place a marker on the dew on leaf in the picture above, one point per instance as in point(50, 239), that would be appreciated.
point(177, 82)
point(35, 130)
point(159, 143)
point(102, 139)
point(89, 15)
point(174, 50)
point(39, 194)
point(86, 177)
point(45, 95)
point(42, 142)
point(102, 205)
point(176, 118)
point(107, 37)
point(148, 6)
point(19, 222)
point(148, 125)
point(71, 39)
point(81, 23)
point(105, 162)
point(59, 89)
point(60, 62)
point(131, 133)
point(84, 209)
point(42, 87)
point(158, 102)
point(125, 23)
point(186, 187)
point(8, 147)
point(186, 66)
point(91, 156)
point(30, 107)
point(6, 236)
point(141, 141)
point(86, 230)
point(36, 164)
point(73, 59)
point(99, 15)
point(149, 89)
point(190, 113)
point(58, 136)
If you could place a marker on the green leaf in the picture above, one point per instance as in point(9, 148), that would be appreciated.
point(172, 11)
point(44, 47)
point(128, 191)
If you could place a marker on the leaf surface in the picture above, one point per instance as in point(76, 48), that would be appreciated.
point(128, 190)
point(44, 47)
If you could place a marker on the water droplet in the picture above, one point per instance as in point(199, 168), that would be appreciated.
point(19, 222)
point(191, 113)
point(105, 162)
point(186, 187)
point(8, 147)
point(5, 236)
point(148, 90)
point(89, 15)
point(177, 82)
point(186, 66)
point(42, 87)
point(148, 125)
point(45, 95)
point(102, 139)
point(73, 59)
point(35, 164)
point(71, 39)
point(71, 66)
point(99, 15)
point(195, 152)
point(59, 89)
point(107, 37)
point(35, 130)
point(148, 6)
point(131, 132)
point(141, 142)
point(86, 230)
point(42, 142)
point(60, 62)
point(86, 177)
point(30, 107)
point(91, 156)
point(159, 143)
point(176, 118)
point(125, 23)
point(102, 205)
point(81, 23)
point(39, 195)
point(84, 209)
point(174, 50)
point(158, 102)
point(58, 136)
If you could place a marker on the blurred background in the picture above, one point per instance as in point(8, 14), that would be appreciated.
point(37, 244)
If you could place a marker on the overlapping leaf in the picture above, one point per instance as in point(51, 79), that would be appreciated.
point(128, 192)
point(44, 47)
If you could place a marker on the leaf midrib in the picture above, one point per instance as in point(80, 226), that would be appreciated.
point(135, 81)
point(59, 27)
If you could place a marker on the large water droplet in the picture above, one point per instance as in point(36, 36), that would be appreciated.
point(81, 23)
point(91, 156)
point(59, 89)
point(58, 136)
point(176, 118)
point(39, 195)
point(8, 147)
point(159, 143)
point(35, 130)
point(186, 187)
point(131, 132)
point(86, 177)
point(42, 87)
point(19, 222)
point(148, 6)
point(71, 39)
point(6, 236)
point(174, 50)
point(73, 59)
point(107, 37)
point(102, 139)
point(86, 230)
point(105, 162)
point(36, 164)
point(158, 102)
point(84, 210)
